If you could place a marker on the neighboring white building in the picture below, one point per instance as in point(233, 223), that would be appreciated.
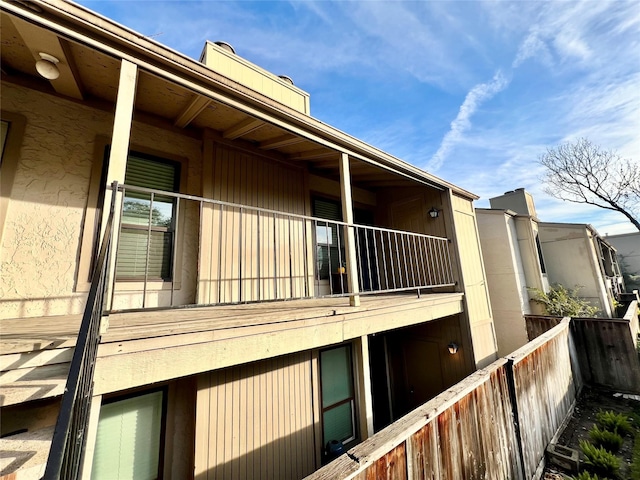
point(521, 253)
point(628, 247)
point(513, 264)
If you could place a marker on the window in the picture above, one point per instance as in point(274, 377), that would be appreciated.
point(129, 438)
point(543, 268)
point(4, 131)
point(338, 398)
point(146, 238)
point(330, 253)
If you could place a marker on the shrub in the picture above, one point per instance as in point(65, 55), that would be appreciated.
point(563, 303)
point(610, 441)
point(613, 422)
point(600, 460)
point(635, 458)
point(587, 476)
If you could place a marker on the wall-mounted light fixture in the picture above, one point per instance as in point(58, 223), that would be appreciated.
point(47, 66)
point(434, 212)
point(453, 348)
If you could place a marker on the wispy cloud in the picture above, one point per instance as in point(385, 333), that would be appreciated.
point(416, 78)
point(476, 96)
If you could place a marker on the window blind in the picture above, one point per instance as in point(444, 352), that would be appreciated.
point(128, 440)
point(336, 376)
point(147, 224)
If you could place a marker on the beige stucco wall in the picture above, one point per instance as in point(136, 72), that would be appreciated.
point(43, 228)
point(571, 261)
point(505, 278)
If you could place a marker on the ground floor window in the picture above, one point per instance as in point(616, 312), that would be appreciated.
point(129, 438)
point(338, 398)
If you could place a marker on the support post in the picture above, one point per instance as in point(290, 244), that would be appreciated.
point(350, 238)
point(118, 163)
point(365, 399)
point(91, 436)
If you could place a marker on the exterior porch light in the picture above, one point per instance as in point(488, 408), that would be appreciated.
point(453, 348)
point(434, 212)
point(47, 66)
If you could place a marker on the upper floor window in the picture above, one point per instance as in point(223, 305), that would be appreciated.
point(146, 246)
point(4, 131)
point(543, 268)
point(330, 253)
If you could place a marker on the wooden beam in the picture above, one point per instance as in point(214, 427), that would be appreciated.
point(39, 40)
point(350, 240)
point(118, 156)
point(281, 141)
point(191, 111)
point(244, 127)
point(315, 153)
point(331, 187)
point(324, 164)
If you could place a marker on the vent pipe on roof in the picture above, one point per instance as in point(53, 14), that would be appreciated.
point(286, 79)
point(226, 46)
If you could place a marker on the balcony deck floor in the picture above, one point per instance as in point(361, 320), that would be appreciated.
point(35, 352)
point(42, 333)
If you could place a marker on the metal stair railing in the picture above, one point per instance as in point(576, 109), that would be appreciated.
point(69, 436)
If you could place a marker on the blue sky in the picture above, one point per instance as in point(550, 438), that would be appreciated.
point(471, 91)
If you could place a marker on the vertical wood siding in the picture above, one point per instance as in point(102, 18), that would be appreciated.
point(248, 256)
point(256, 421)
point(473, 278)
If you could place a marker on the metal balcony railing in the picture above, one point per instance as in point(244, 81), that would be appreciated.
point(69, 436)
point(251, 254)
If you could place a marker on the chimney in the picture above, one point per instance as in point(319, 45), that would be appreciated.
point(518, 200)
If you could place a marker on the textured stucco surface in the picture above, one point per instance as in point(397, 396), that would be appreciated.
point(43, 228)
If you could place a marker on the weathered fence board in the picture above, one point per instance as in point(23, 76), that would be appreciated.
point(538, 324)
point(497, 423)
point(607, 352)
point(467, 432)
point(545, 390)
point(605, 348)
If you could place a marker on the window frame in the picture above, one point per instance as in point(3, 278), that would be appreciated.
point(93, 218)
point(163, 422)
point(152, 228)
point(9, 160)
point(352, 399)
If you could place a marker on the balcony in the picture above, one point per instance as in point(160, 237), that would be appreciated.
point(247, 254)
point(225, 283)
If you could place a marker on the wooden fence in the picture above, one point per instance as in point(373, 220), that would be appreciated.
point(606, 348)
point(494, 424)
point(546, 385)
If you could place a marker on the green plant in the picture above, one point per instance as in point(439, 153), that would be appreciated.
point(563, 303)
point(584, 475)
point(613, 422)
point(635, 458)
point(610, 441)
point(600, 460)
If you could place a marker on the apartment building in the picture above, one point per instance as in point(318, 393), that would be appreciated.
point(522, 253)
point(233, 287)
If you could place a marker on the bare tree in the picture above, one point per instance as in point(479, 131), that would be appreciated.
point(582, 172)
